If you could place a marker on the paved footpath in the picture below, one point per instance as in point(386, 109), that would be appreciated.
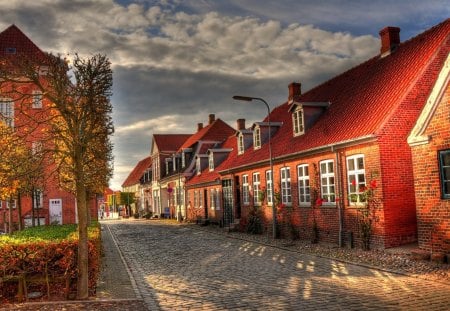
point(178, 267)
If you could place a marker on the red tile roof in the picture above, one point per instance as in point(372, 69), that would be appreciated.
point(169, 142)
point(363, 99)
point(137, 172)
point(13, 39)
point(218, 130)
point(207, 176)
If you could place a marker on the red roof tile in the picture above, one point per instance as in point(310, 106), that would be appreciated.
point(137, 172)
point(363, 99)
point(169, 142)
point(14, 42)
point(216, 131)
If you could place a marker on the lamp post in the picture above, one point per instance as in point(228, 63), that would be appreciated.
point(274, 212)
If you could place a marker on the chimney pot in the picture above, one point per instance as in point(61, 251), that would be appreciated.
point(199, 126)
point(295, 90)
point(240, 124)
point(390, 39)
point(212, 118)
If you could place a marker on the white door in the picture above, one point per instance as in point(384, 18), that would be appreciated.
point(55, 211)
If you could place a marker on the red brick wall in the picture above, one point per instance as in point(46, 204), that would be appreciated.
point(196, 212)
point(433, 213)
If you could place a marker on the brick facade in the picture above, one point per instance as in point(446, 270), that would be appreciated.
point(433, 211)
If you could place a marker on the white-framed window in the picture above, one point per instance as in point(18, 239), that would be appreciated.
point(257, 138)
point(211, 161)
point(240, 144)
point(269, 196)
point(38, 197)
point(1, 204)
point(214, 196)
point(196, 204)
point(298, 122)
point(285, 175)
point(245, 190)
point(183, 159)
point(356, 175)
point(167, 167)
point(156, 168)
point(11, 203)
point(7, 111)
point(37, 100)
point(328, 193)
point(256, 189)
point(174, 165)
point(304, 195)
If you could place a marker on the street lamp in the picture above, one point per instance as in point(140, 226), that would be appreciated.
point(274, 212)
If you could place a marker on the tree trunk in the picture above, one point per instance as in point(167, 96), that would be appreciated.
point(19, 211)
point(83, 250)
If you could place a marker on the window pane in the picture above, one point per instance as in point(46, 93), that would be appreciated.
point(330, 167)
point(361, 179)
point(447, 187)
point(360, 163)
point(447, 173)
point(351, 164)
point(306, 171)
point(332, 180)
point(323, 168)
point(446, 158)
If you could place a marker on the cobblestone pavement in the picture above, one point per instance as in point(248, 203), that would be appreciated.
point(177, 267)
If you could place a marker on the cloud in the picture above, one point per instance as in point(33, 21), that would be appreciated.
point(175, 62)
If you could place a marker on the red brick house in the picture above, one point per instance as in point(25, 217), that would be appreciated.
point(334, 141)
point(430, 144)
point(52, 204)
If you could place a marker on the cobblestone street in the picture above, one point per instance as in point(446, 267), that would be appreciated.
point(178, 267)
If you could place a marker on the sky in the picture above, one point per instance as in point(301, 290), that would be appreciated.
point(177, 61)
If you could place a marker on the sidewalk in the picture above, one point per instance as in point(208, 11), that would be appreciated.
point(116, 291)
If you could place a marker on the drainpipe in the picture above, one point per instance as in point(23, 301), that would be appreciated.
point(339, 192)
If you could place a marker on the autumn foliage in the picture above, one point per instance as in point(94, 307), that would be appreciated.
point(46, 259)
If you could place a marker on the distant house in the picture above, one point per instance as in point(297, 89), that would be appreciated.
point(164, 147)
point(139, 183)
point(332, 142)
point(47, 203)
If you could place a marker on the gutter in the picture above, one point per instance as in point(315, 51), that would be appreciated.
point(312, 151)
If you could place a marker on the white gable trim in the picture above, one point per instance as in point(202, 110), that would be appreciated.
point(417, 137)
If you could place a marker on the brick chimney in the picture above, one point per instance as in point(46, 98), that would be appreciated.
point(390, 39)
point(212, 118)
point(199, 126)
point(240, 124)
point(295, 90)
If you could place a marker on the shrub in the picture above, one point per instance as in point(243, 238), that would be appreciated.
point(47, 254)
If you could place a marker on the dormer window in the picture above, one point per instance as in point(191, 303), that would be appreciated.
point(183, 159)
point(7, 111)
point(257, 138)
point(211, 161)
point(240, 144)
point(298, 122)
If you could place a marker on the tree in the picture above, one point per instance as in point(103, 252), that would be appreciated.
point(78, 125)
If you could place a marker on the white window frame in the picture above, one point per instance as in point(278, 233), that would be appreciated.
point(37, 100)
point(218, 199)
point(241, 143)
point(298, 122)
point(38, 198)
point(183, 159)
point(7, 111)
point(304, 190)
point(196, 199)
point(356, 178)
point(256, 179)
point(245, 190)
point(257, 138)
point(285, 182)
point(211, 161)
point(327, 182)
point(269, 180)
